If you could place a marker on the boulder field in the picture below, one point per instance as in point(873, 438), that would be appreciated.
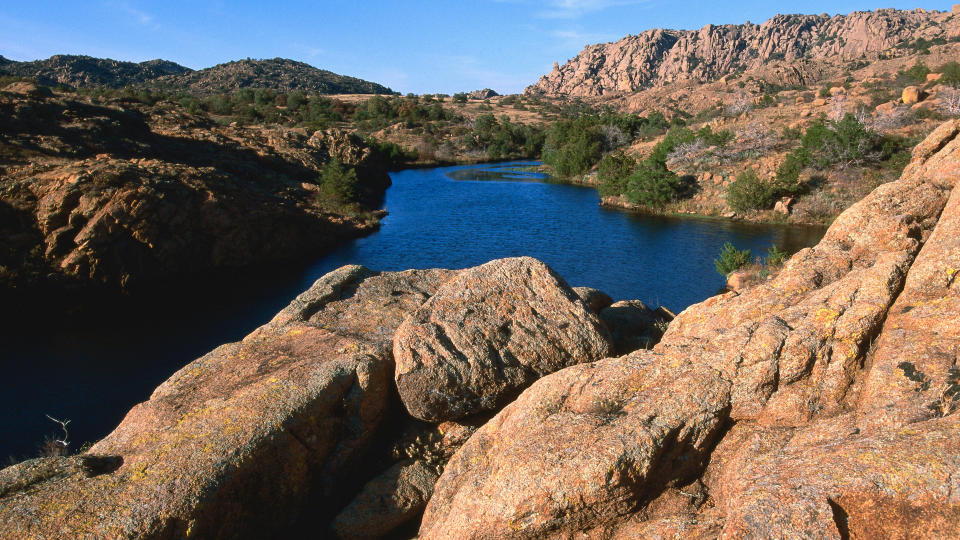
point(497, 402)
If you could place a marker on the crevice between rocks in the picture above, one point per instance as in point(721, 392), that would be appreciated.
point(840, 518)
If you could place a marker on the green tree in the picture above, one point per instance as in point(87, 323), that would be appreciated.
point(338, 184)
point(573, 146)
point(614, 172)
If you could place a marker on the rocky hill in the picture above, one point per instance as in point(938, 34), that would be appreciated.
point(786, 50)
point(276, 73)
point(87, 71)
point(494, 402)
point(118, 191)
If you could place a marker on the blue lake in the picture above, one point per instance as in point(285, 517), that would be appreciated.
point(94, 369)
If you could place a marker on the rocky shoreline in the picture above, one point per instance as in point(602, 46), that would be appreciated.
point(498, 402)
point(119, 193)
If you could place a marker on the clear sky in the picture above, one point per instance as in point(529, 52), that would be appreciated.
point(415, 46)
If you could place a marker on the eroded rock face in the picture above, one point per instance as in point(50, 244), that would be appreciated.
point(251, 439)
point(581, 447)
point(489, 333)
point(831, 481)
point(792, 48)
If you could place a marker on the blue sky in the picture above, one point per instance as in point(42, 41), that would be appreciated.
point(412, 46)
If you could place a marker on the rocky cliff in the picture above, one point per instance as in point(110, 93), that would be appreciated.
point(276, 73)
point(822, 403)
point(786, 50)
point(122, 191)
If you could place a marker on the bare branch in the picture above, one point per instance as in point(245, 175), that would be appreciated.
point(65, 442)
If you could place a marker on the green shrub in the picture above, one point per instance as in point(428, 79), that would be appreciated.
point(788, 173)
point(460, 97)
point(731, 259)
point(846, 141)
point(776, 256)
point(715, 138)
point(917, 72)
point(653, 185)
point(951, 73)
point(338, 185)
point(749, 192)
point(573, 146)
point(295, 101)
point(503, 138)
point(614, 172)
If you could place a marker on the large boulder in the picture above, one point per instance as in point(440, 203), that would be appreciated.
point(257, 438)
point(581, 447)
point(912, 94)
point(488, 334)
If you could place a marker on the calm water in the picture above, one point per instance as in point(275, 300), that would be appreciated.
point(92, 371)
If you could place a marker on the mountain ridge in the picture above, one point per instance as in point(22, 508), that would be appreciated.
point(81, 71)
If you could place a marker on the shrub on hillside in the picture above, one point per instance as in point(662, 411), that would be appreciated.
point(749, 192)
point(916, 73)
point(846, 142)
point(503, 138)
point(950, 73)
point(573, 146)
point(825, 143)
point(338, 185)
point(652, 184)
point(614, 172)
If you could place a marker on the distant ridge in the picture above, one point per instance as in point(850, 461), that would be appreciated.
point(276, 73)
point(87, 71)
point(787, 49)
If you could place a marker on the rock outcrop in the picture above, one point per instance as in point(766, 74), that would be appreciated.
point(486, 93)
point(121, 192)
point(835, 389)
point(488, 334)
point(579, 447)
point(791, 49)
